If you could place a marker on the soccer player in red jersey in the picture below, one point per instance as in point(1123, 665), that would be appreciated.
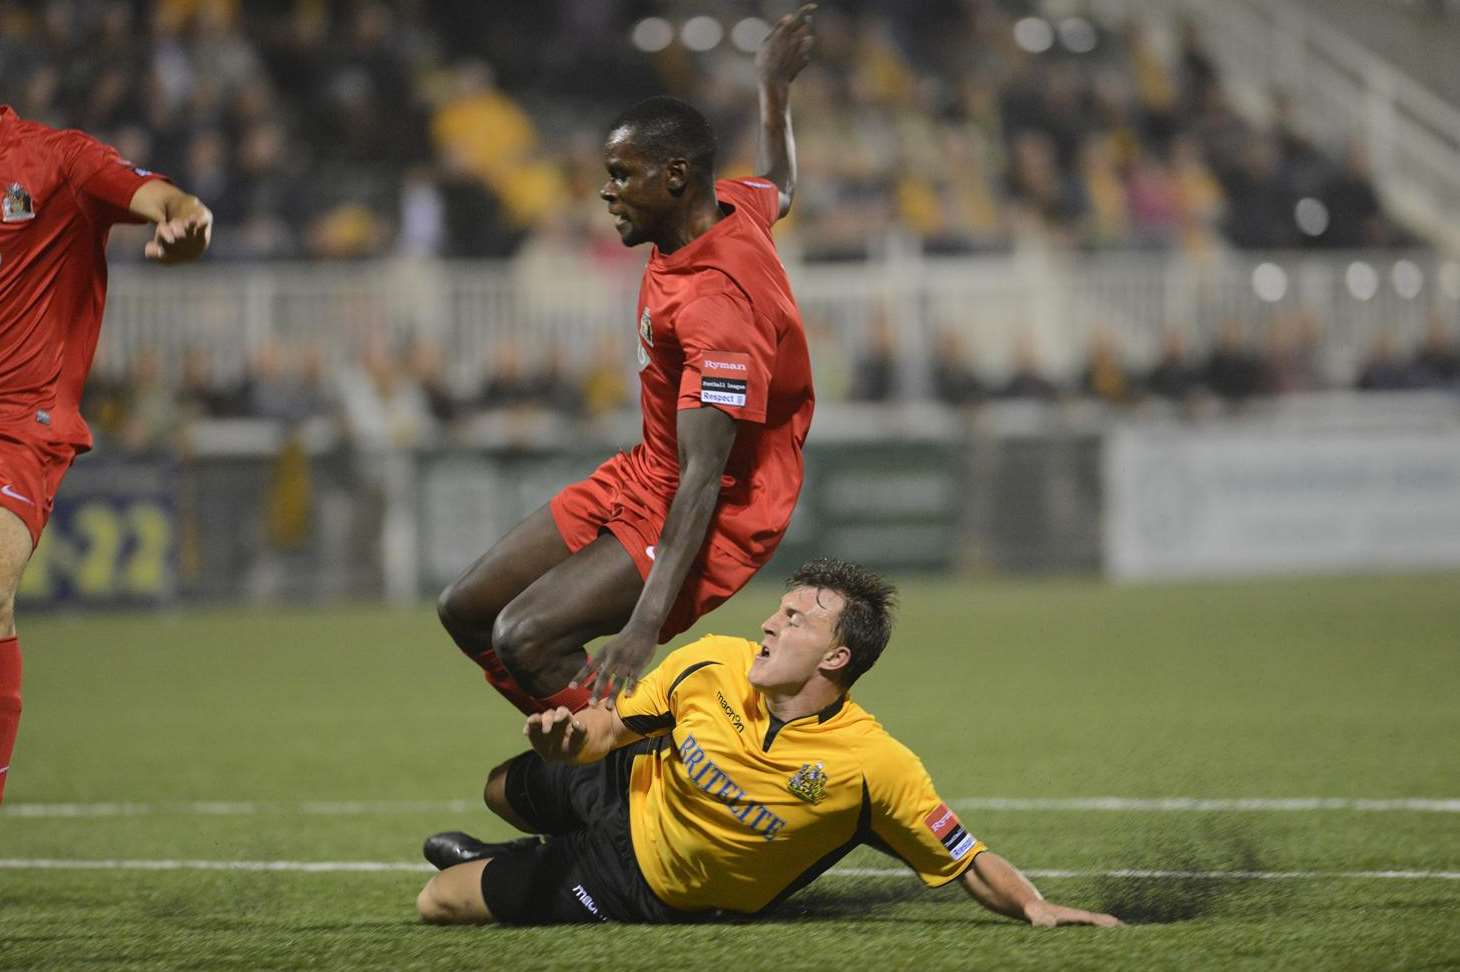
point(62, 193)
point(658, 536)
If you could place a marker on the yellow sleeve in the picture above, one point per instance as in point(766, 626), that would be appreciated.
point(650, 711)
point(917, 824)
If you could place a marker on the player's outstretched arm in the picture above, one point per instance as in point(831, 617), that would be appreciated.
point(998, 886)
point(563, 736)
point(184, 224)
point(706, 436)
point(787, 49)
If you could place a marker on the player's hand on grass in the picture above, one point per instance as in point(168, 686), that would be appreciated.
point(619, 664)
point(557, 736)
point(787, 48)
point(1047, 914)
point(182, 238)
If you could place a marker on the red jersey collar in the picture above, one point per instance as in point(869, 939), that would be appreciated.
point(686, 254)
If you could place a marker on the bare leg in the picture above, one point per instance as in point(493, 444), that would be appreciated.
point(494, 794)
point(15, 550)
point(540, 634)
point(469, 606)
point(454, 896)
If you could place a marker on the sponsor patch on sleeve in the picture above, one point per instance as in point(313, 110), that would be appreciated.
point(724, 376)
point(950, 833)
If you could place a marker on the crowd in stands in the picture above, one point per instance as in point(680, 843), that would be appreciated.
point(358, 128)
point(1235, 371)
point(389, 395)
point(395, 394)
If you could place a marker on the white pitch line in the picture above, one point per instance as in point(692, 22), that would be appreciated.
point(346, 808)
point(1165, 875)
point(1208, 804)
point(339, 867)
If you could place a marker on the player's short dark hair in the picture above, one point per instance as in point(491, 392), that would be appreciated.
point(667, 128)
point(865, 623)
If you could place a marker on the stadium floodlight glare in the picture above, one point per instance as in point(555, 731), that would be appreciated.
point(1269, 282)
point(1449, 279)
point(1078, 35)
point(701, 33)
point(653, 34)
point(1034, 35)
point(1362, 280)
point(1311, 216)
point(1408, 279)
point(749, 34)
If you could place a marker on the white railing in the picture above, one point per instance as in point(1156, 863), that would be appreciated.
point(1343, 92)
point(476, 311)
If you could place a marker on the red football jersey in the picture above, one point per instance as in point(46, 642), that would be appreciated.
point(718, 327)
point(62, 193)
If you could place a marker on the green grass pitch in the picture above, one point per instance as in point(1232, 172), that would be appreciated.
point(1337, 688)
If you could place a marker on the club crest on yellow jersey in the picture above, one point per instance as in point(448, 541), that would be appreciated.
point(809, 782)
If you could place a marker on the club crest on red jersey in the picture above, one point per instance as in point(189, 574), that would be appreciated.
point(16, 207)
point(646, 328)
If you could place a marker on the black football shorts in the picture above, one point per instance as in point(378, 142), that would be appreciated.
point(585, 870)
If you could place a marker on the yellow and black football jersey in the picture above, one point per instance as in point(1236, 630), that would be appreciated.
point(738, 809)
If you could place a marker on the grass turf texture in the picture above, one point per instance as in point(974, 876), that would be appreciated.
point(1328, 688)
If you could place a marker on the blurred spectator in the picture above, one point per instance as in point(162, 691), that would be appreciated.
point(954, 381)
point(1199, 196)
point(605, 388)
point(1105, 376)
point(1027, 379)
point(1355, 215)
point(1107, 218)
point(151, 419)
point(382, 404)
point(1154, 200)
point(200, 394)
point(505, 381)
point(1437, 361)
point(423, 216)
point(427, 370)
point(1233, 371)
point(1382, 370)
point(1173, 377)
point(1036, 182)
point(474, 219)
point(874, 374)
point(555, 386)
point(1260, 214)
point(286, 384)
point(1292, 356)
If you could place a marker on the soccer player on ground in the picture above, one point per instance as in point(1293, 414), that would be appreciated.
point(661, 535)
point(63, 191)
point(733, 777)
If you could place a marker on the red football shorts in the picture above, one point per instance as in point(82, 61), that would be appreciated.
point(30, 474)
point(612, 500)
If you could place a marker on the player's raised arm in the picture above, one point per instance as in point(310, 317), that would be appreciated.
point(184, 224)
point(787, 49)
point(998, 886)
point(705, 436)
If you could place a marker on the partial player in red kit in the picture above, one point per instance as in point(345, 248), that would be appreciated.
point(665, 533)
point(62, 193)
